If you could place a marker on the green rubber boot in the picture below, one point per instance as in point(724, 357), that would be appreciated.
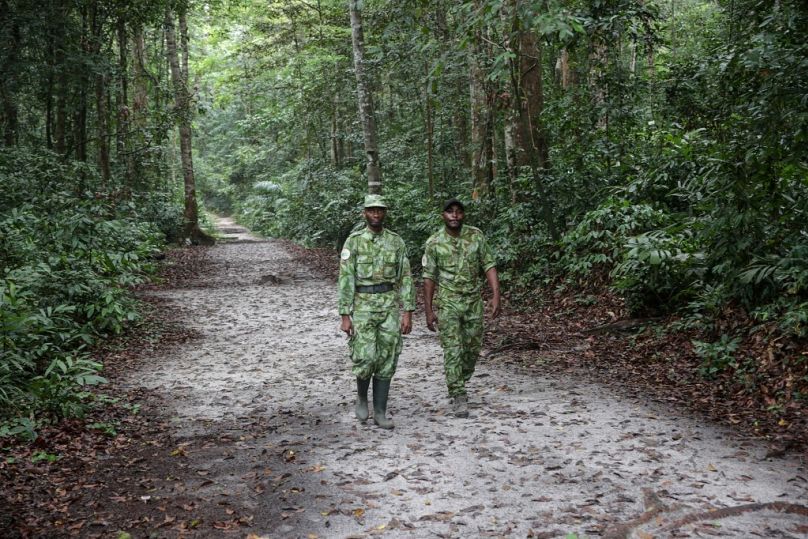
point(460, 406)
point(381, 388)
point(362, 398)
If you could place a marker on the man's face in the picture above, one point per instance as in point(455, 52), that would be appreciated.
point(453, 217)
point(375, 216)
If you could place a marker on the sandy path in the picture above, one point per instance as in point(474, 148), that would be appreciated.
point(262, 405)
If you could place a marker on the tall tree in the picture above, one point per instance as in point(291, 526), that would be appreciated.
point(529, 142)
point(182, 105)
point(481, 105)
point(365, 97)
point(97, 20)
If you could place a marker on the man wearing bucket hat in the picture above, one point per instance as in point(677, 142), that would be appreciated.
point(374, 276)
point(455, 260)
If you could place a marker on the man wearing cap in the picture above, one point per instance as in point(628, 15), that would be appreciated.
point(455, 259)
point(374, 276)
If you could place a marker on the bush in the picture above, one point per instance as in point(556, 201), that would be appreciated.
point(67, 257)
point(659, 271)
point(599, 240)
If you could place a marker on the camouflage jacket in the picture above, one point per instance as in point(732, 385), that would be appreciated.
point(369, 259)
point(457, 265)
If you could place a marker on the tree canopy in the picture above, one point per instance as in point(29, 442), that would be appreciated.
point(657, 149)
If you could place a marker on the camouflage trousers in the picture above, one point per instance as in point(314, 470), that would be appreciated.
point(460, 326)
point(375, 344)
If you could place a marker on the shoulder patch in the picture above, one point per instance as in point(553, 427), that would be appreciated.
point(345, 254)
point(423, 260)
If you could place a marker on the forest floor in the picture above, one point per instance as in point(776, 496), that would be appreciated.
point(245, 428)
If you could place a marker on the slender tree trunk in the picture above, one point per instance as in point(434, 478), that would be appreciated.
point(461, 125)
point(478, 114)
point(80, 123)
point(597, 78)
point(482, 117)
point(511, 115)
point(183, 20)
point(102, 127)
point(527, 102)
point(140, 99)
point(182, 107)
point(430, 134)
point(563, 65)
point(60, 121)
point(8, 84)
point(49, 91)
point(365, 96)
point(122, 97)
point(335, 149)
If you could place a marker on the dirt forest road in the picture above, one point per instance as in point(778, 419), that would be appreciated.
point(263, 434)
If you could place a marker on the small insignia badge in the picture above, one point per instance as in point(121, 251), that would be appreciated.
point(345, 254)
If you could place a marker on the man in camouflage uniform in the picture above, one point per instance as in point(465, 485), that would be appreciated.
point(374, 275)
point(456, 259)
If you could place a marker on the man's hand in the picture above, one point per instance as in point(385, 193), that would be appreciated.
point(493, 281)
point(495, 306)
point(347, 325)
point(431, 320)
point(406, 323)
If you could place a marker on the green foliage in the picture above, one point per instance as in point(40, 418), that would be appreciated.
point(716, 356)
point(602, 235)
point(44, 456)
point(660, 269)
point(20, 427)
point(676, 161)
point(67, 257)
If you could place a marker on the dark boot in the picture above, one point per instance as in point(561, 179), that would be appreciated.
point(461, 406)
point(380, 390)
point(362, 398)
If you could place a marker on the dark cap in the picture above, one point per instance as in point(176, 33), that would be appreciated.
point(451, 202)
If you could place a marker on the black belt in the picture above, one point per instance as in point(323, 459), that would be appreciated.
point(375, 288)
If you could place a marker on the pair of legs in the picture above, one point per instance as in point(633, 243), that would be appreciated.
point(375, 347)
point(460, 321)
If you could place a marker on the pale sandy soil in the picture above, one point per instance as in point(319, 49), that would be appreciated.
point(262, 408)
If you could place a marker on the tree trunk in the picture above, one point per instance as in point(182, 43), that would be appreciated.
point(563, 65)
point(102, 127)
point(597, 78)
point(8, 84)
point(336, 143)
point(482, 116)
point(60, 120)
point(182, 107)
point(80, 123)
point(365, 101)
point(527, 101)
point(478, 114)
point(140, 100)
point(511, 115)
point(430, 134)
point(122, 99)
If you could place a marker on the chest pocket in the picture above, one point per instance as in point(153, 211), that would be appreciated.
point(389, 267)
point(473, 260)
point(364, 266)
point(451, 266)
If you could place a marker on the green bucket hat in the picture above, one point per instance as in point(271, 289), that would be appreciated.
point(375, 201)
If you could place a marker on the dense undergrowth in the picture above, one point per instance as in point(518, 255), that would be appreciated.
point(680, 184)
point(69, 252)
